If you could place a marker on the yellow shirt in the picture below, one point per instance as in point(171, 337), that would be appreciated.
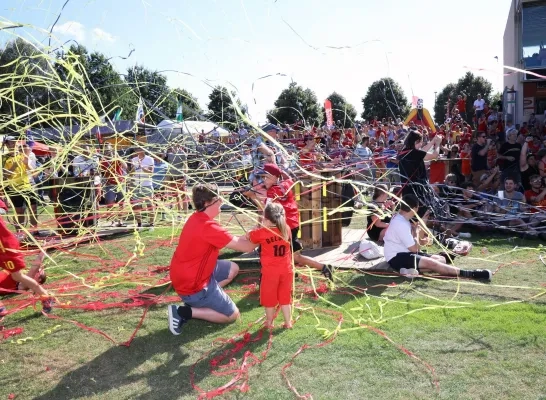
point(19, 179)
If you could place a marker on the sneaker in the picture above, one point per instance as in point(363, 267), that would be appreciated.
point(465, 235)
point(3, 312)
point(151, 227)
point(47, 305)
point(482, 274)
point(328, 271)
point(409, 272)
point(175, 320)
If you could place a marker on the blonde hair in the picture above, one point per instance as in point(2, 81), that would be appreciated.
point(274, 212)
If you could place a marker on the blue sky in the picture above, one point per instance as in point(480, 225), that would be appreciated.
point(421, 44)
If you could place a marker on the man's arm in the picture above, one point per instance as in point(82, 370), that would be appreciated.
point(240, 243)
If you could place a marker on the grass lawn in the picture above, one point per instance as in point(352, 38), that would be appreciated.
point(371, 336)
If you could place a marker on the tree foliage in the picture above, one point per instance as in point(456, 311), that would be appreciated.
point(293, 103)
point(190, 106)
point(221, 109)
point(470, 85)
point(25, 77)
point(385, 98)
point(341, 110)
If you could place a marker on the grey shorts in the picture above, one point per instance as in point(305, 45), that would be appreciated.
point(145, 193)
point(213, 296)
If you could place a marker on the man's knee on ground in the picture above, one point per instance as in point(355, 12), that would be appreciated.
point(233, 270)
point(235, 316)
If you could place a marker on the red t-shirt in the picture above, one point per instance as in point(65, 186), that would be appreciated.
point(275, 255)
point(112, 171)
point(461, 105)
point(336, 135)
point(197, 252)
point(541, 205)
point(282, 194)
point(7, 283)
point(11, 259)
point(307, 159)
point(482, 125)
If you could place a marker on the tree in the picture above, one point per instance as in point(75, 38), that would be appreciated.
point(293, 103)
point(25, 76)
point(151, 86)
point(385, 98)
point(341, 110)
point(190, 106)
point(470, 85)
point(221, 109)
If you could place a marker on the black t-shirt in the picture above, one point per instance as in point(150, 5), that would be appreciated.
point(411, 165)
point(526, 175)
point(510, 150)
point(478, 162)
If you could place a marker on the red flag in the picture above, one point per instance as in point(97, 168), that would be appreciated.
point(329, 116)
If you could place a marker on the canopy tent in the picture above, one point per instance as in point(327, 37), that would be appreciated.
point(168, 131)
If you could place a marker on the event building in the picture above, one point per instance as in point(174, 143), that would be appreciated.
point(524, 48)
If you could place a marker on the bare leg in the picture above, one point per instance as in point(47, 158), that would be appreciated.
point(287, 314)
point(269, 315)
point(304, 260)
point(210, 315)
point(431, 264)
point(233, 271)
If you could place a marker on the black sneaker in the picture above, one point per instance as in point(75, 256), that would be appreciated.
point(482, 274)
point(175, 320)
point(328, 271)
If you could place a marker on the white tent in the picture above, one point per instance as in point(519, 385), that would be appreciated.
point(189, 127)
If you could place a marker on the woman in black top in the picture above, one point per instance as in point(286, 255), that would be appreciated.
point(380, 205)
point(413, 173)
point(528, 165)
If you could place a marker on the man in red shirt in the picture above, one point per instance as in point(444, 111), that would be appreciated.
point(461, 105)
point(279, 190)
point(196, 273)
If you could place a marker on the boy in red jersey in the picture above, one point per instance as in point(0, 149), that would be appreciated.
point(280, 191)
point(13, 264)
point(196, 273)
point(276, 261)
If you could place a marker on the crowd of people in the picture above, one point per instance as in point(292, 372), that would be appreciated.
point(498, 177)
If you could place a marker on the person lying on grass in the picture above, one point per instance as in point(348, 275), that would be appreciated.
point(13, 264)
point(402, 247)
point(277, 274)
point(196, 273)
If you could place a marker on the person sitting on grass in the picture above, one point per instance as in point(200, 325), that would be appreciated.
point(279, 190)
point(402, 247)
point(377, 221)
point(196, 273)
point(276, 260)
point(13, 264)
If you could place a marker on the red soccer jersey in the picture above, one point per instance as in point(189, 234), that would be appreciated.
point(275, 254)
point(7, 283)
point(282, 194)
point(197, 252)
point(461, 105)
point(11, 259)
point(112, 171)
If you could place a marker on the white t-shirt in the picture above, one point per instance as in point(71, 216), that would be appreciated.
point(398, 238)
point(479, 103)
point(142, 178)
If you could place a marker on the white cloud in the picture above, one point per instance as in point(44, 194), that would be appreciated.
point(101, 35)
point(71, 28)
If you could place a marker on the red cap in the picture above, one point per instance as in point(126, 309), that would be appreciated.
point(273, 169)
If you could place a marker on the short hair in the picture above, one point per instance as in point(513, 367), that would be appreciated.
point(409, 202)
point(203, 193)
point(467, 184)
point(534, 177)
point(379, 190)
point(451, 177)
point(510, 178)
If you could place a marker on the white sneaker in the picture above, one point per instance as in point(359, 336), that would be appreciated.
point(465, 235)
point(409, 272)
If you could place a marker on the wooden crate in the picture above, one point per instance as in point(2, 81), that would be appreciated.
point(316, 199)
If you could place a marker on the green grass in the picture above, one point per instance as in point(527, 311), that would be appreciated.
point(475, 340)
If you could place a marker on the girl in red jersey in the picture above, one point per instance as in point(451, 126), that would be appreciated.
point(276, 261)
point(11, 261)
